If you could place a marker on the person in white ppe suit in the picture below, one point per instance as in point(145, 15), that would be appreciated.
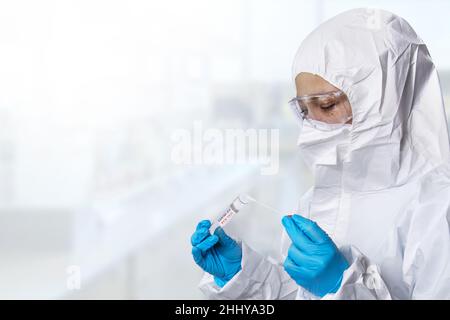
point(376, 223)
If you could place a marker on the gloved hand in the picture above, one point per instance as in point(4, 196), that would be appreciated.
point(313, 260)
point(217, 254)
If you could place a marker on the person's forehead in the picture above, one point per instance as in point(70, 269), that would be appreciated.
point(308, 83)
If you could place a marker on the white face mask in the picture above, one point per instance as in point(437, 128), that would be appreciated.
point(319, 147)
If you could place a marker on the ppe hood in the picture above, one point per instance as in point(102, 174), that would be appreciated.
point(399, 129)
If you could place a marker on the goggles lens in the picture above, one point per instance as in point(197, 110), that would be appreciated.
point(327, 108)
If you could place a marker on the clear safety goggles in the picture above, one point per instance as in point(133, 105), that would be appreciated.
point(324, 111)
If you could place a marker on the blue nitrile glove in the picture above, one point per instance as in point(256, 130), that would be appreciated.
point(217, 254)
point(313, 261)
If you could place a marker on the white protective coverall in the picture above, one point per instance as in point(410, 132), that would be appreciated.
point(382, 192)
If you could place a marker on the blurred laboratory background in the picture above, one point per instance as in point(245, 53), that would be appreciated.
point(92, 205)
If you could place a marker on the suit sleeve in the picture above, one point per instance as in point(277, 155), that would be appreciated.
point(259, 278)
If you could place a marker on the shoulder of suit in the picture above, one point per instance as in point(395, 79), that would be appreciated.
point(436, 183)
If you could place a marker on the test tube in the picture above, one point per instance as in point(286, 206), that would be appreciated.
point(226, 216)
